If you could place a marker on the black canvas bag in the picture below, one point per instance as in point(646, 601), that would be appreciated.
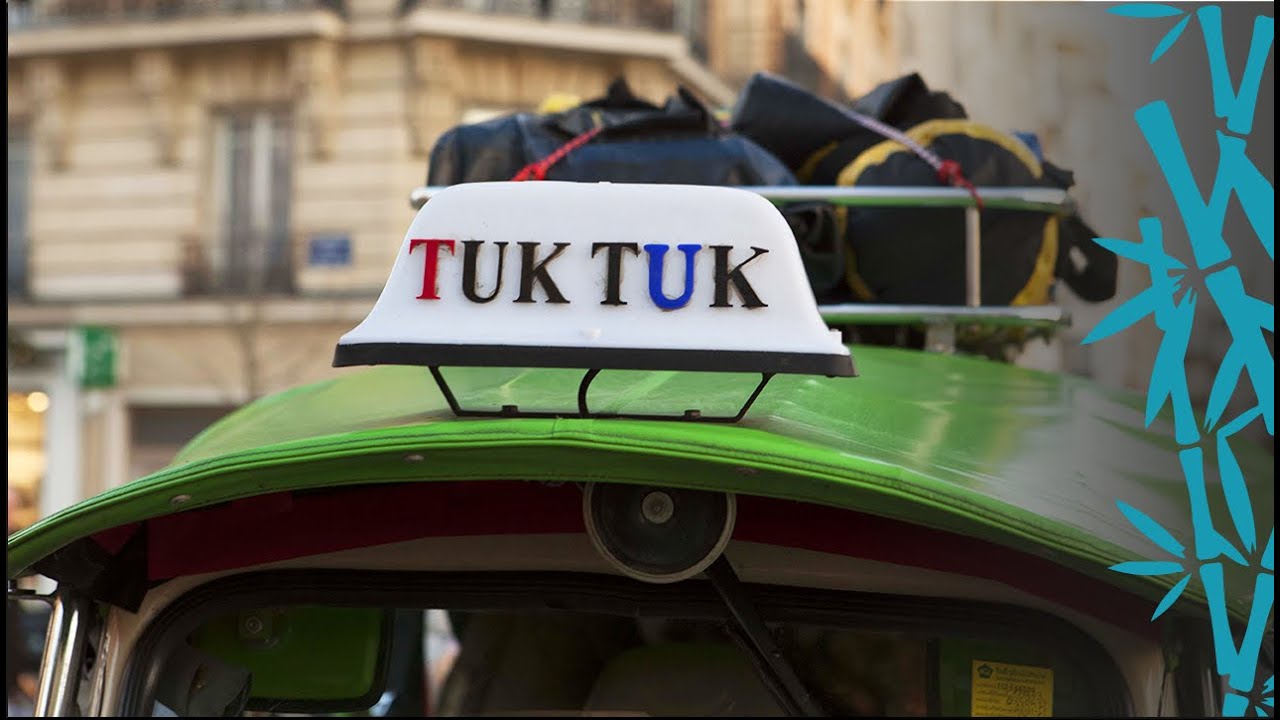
point(680, 142)
point(916, 256)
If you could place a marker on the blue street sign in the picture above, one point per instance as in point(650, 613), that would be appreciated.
point(329, 251)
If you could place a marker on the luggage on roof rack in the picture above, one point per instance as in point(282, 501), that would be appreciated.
point(615, 138)
point(903, 134)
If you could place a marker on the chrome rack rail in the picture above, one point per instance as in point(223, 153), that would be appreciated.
point(1031, 199)
point(940, 320)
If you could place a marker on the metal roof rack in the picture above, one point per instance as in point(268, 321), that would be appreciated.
point(940, 321)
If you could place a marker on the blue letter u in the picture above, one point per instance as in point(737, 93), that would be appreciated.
point(657, 253)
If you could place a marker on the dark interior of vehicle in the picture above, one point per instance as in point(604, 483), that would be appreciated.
point(669, 656)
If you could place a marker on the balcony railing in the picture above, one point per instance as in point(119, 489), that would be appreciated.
point(238, 266)
point(682, 17)
point(40, 14)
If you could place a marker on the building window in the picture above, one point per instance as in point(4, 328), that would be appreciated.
point(19, 187)
point(252, 250)
point(19, 13)
point(689, 19)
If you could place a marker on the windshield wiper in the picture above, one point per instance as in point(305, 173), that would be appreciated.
point(773, 667)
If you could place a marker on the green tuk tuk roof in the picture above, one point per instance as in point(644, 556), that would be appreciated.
point(1031, 460)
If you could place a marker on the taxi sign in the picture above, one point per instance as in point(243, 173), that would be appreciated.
point(602, 276)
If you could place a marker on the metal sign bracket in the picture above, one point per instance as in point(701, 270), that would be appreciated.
point(584, 411)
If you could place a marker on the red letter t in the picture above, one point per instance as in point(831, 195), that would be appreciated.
point(432, 265)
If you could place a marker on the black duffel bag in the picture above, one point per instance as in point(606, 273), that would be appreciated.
point(916, 255)
point(616, 138)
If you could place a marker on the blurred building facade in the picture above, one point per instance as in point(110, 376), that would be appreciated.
point(205, 194)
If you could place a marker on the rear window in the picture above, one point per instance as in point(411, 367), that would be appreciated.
point(663, 657)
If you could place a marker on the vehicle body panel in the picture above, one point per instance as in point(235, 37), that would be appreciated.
point(1013, 456)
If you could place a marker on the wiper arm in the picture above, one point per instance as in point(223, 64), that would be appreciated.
point(768, 659)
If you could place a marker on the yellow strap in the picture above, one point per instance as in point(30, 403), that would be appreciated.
point(806, 170)
point(925, 133)
point(1036, 291)
point(558, 102)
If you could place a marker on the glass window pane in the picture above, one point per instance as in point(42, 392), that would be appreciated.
point(19, 178)
point(279, 251)
point(254, 187)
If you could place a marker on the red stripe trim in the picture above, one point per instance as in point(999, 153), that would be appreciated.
point(270, 528)
point(280, 526)
point(114, 540)
point(843, 532)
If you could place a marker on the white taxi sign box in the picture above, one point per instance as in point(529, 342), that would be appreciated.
point(598, 276)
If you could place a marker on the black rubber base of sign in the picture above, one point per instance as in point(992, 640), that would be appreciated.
point(537, 356)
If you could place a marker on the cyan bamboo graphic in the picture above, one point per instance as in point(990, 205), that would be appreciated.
point(1173, 300)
